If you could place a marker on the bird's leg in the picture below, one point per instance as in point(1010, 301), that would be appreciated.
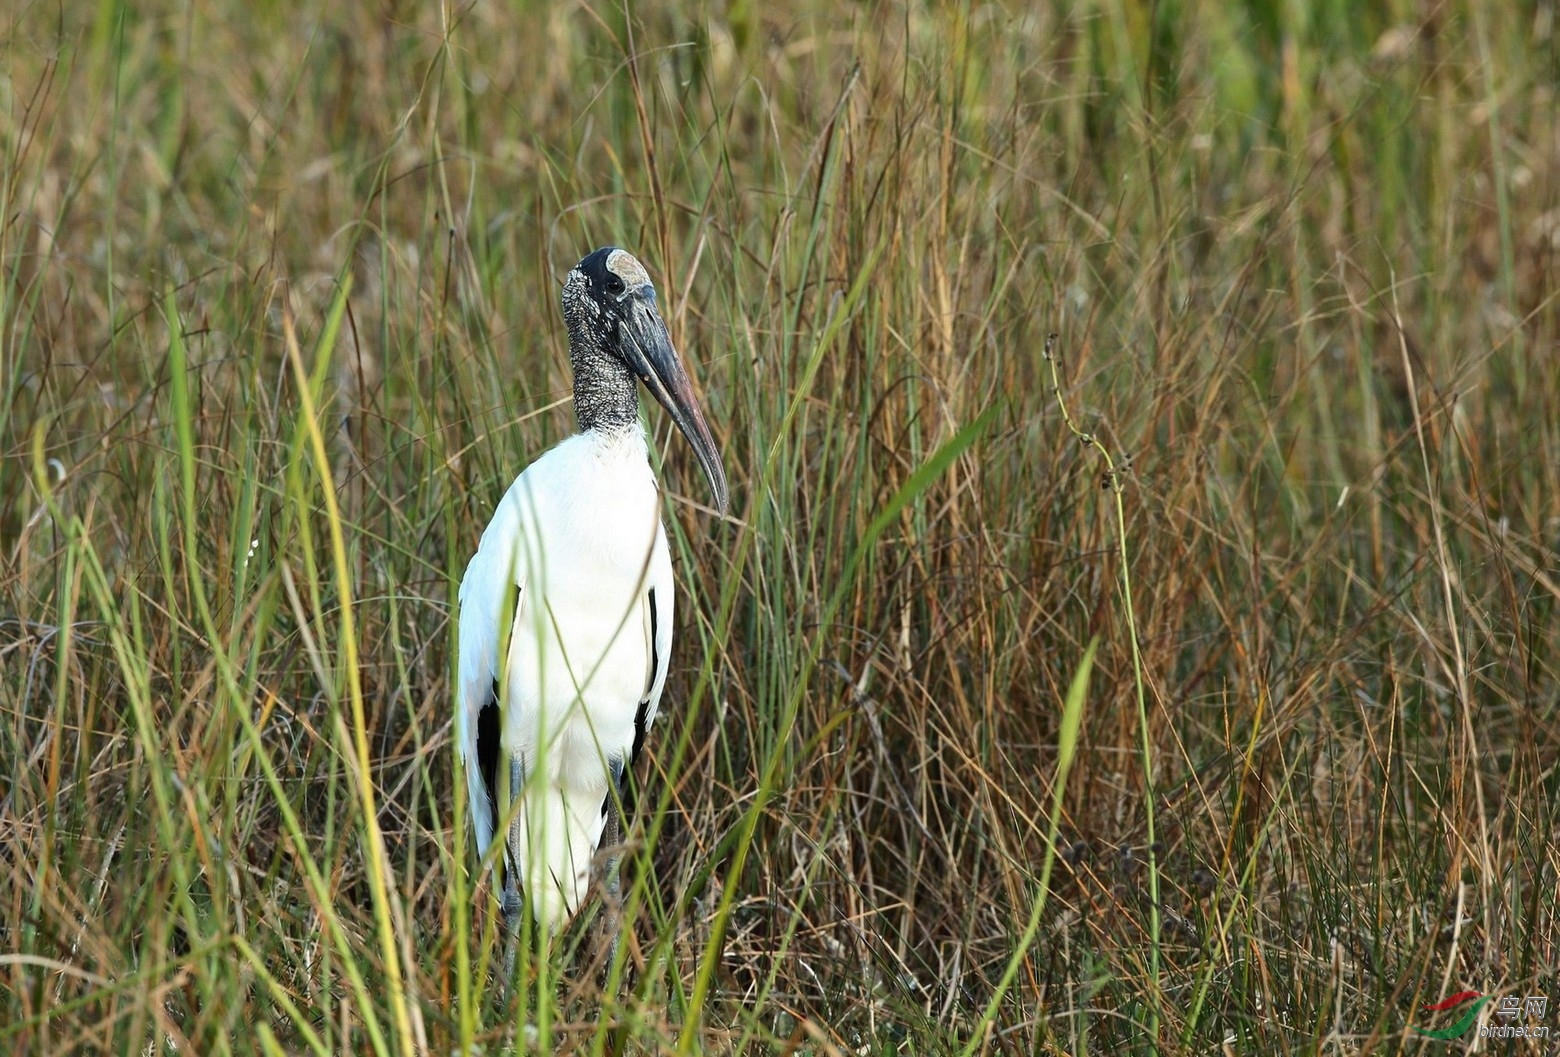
point(612, 894)
point(510, 900)
point(511, 905)
point(612, 909)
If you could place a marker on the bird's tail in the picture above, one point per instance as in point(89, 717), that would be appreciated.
point(553, 841)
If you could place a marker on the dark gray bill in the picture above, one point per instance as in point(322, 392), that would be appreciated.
point(657, 364)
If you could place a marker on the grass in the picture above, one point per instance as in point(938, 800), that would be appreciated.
point(278, 326)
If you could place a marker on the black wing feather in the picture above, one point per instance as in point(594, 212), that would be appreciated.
point(622, 770)
point(488, 730)
point(644, 702)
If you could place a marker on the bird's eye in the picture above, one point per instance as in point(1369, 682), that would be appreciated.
point(614, 285)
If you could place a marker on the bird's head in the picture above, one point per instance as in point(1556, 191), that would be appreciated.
point(609, 306)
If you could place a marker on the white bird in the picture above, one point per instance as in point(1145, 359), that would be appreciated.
point(566, 608)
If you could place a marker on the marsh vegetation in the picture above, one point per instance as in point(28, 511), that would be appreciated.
point(278, 325)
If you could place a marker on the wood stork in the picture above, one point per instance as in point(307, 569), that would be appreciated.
point(566, 608)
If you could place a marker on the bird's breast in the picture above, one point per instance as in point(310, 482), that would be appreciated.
point(588, 545)
point(590, 512)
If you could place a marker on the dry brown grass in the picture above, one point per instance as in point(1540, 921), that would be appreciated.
point(1302, 263)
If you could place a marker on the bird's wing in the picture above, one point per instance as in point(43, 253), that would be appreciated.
point(656, 618)
point(492, 599)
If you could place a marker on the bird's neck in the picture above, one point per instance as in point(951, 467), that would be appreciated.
point(606, 395)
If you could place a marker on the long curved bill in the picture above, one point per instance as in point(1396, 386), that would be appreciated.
point(660, 368)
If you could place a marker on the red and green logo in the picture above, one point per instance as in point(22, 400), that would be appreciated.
point(1468, 1019)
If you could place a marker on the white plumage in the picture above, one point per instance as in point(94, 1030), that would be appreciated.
point(579, 536)
point(566, 608)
